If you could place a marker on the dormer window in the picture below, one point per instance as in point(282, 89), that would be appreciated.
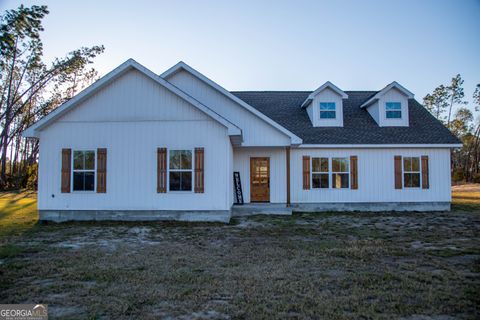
point(324, 106)
point(327, 110)
point(393, 110)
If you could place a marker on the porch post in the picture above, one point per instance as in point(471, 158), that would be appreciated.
point(287, 152)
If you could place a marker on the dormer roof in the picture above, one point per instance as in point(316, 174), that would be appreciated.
point(380, 93)
point(324, 86)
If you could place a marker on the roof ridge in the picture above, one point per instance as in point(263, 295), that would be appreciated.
point(300, 91)
point(271, 91)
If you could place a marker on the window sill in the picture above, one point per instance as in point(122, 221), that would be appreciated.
point(83, 192)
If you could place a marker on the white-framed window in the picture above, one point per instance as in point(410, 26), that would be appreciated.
point(411, 172)
point(83, 170)
point(340, 173)
point(180, 170)
point(326, 169)
point(320, 173)
point(328, 110)
point(393, 110)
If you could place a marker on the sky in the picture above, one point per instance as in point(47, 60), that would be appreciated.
point(278, 45)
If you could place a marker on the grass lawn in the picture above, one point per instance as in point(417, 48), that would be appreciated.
point(331, 265)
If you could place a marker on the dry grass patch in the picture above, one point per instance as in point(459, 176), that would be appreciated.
point(335, 266)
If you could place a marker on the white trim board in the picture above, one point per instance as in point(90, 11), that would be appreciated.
point(324, 86)
point(380, 93)
point(182, 65)
point(32, 131)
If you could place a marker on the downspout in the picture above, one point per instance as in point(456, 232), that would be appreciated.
point(287, 152)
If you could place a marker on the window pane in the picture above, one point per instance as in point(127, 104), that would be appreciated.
point(324, 165)
point(174, 181)
point(407, 180)
point(181, 181)
point(89, 160)
point(319, 164)
point(335, 164)
point(415, 180)
point(89, 178)
point(340, 180)
point(78, 184)
point(344, 165)
point(324, 181)
point(78, 160)
point(316, 181)
point(327, 105)
point(327, 115)
point(175, 159)
point(393, 106)
point(316, 165)
point(319, 180)
point(407, 164)
point(186, 159)
point(186, 181)
point(415, 164)
point(340, 165)
point(394, 114)
point(411, 180)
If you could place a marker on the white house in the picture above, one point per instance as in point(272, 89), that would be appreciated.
point(140, 146)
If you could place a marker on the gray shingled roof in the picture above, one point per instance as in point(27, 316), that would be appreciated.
point(358, 126)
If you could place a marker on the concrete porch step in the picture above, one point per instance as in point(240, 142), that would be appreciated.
point(249, 209)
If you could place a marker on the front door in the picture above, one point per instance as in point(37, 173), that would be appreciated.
point(259, 179)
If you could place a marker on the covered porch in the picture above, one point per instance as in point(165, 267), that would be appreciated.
point(265, 180)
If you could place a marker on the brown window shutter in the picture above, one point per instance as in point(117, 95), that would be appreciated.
point(66, 169)
point(161, 170)
point(354, 172)
point(199, 170)
point(425, 178)
point(398, 172)
point(101, 170)
point(306, 172)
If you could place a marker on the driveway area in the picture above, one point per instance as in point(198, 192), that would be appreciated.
point(331, 265)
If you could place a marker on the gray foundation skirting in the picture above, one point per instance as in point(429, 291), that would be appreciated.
point(135, 215)
point(244, 210)
point(371, 206)
point(249, 209)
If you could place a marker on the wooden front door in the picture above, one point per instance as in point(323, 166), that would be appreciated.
point(259, 179)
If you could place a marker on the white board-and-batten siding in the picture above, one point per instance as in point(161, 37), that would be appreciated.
point(131, 118)
point(255, 131)
point(375, 177)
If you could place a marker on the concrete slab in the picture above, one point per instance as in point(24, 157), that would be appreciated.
point(249, 209)
point(372, 206)
point(135, 215)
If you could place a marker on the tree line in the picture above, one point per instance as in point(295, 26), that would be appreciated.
point(30, 88)
point(447, 103)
